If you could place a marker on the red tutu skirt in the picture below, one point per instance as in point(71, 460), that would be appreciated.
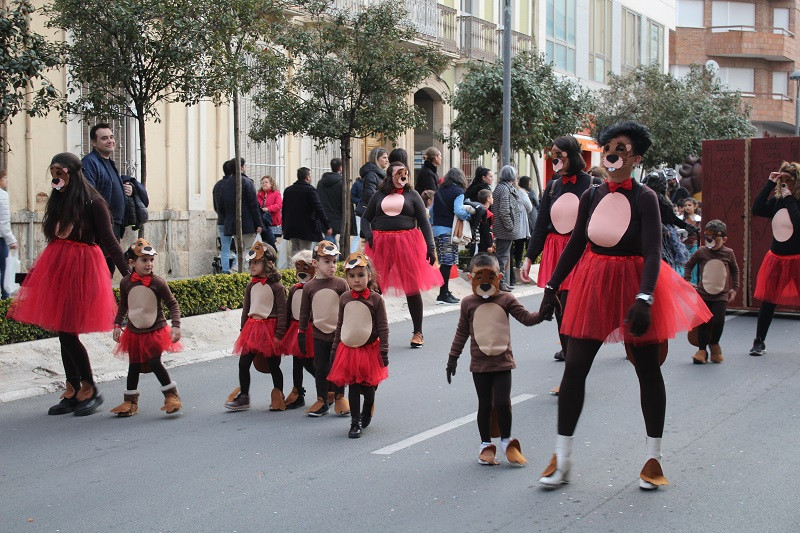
point(257, 337)
point(289, 344)
point(554, 245)
point(69, 290)
point(399, 259)
point(778, 280)
point(358, 365)
point(604, 288)
point(141, 347)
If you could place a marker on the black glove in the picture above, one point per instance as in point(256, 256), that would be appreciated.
point(385, 358)
point(431, 256)
point(452, 363)
point(301, 341)
point(369, 240)
point(550, 304)
point(638, 319)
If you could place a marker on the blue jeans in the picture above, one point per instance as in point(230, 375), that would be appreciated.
point(3, 255)
point(225, 250)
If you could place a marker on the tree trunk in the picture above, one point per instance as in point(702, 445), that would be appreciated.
point(238, 177)
point(344, 236)
point(142, 153)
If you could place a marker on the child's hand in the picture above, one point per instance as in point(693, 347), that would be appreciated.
point(301, 341)
point(773, 176)
point(385, 358)
point(117, 333)
point(452, 363)
point(731, 295)
point(175, 333)
point(276, 345)
point(539, 318)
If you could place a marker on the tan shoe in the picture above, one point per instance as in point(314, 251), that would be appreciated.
point(555, 390)
point(651, 476)
point(417, 340)
point(130, 405)
point(232, 396)
point(69, 392)
point(341, 405)
point(716, 353)
point(700, 357)
point(316, 406)
point(293, 396)
point(487, 455)
point(86, 391)
point(172, 402)
point(513, 451)
point(331, 397)
point(278, 403)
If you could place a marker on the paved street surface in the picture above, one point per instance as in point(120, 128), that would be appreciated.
point(730, 450)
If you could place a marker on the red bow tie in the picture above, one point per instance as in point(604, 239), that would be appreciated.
point(627, 185)
point(145, 280)
point(259, 280)
point(569, 179)
point(399, 191)
point(364, 294)
point(298, 286)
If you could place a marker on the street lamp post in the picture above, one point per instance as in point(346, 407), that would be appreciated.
point(796, 77)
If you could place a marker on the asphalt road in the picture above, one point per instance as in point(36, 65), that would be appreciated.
point(730, 450)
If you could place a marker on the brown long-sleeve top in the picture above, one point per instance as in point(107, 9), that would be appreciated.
point(320, 306)
point(362, 321)
point(144, 305)
point(485, 321)
point(96, 229)
point(292, 306)
point(717, 272)
point(266, 300)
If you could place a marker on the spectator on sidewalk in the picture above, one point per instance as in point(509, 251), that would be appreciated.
point(304, 218)
point(7, 239)
point(329, 190)
point(506, 220)
point(226, 205)
point(428, 179)
point(269, 198)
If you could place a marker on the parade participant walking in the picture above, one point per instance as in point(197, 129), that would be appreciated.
point(484, 319)
point(142, 295)
point(263, 326)
point(619, 292)
point(400, 244)
point(69, 289)
point(305, 271)
point(448, 202)
point(558, 211)
point(778, 281)
point(361, 342)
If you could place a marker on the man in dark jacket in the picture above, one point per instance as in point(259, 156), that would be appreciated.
point(329, 190)
point(304, 218)
point(226, 206)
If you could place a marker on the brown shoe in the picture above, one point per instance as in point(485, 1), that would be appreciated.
point(513, 451)
point(417, 340)
point(172, 402)
point(130, 405)
point(316, 406)
point(277, 403)
point(341, 405)
point(716, 353)
point(700, 357)
point(293, 396)
point(487, 455)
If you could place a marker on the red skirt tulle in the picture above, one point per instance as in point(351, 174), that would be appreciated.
point(554, 245)
point(399, 259)
point(141, 347)
point(69, 290)
point(778, 280)
point(289, 344)
point(257, 337)
point(361, 365)
point(604, 288)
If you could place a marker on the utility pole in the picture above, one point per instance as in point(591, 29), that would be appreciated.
point(506, 152)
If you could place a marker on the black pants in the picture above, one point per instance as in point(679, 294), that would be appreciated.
point(652, 393)
point(354, 397)
point(246, 360)
point(156, 367)
point(765, 314)
point(517, 251)
point(711, 331)
point(323, 359)
point(75, 359)
point(494, 392)
point(562, 297)
point(298, 365)
point(414, 302)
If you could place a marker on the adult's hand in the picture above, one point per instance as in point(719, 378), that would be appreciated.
point(127, 188)
point(431, 257)
point(550, 305)
point(12, 246)
point(525, 271)
point(452, 363)
point(639, 318)
point(773, 176)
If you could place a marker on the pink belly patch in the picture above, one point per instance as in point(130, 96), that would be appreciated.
point(610, 220)
point(393, 204)
point(564, 212)
point(782, 228)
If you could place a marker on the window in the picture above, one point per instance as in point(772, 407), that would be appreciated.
point(733, 16)
point(738, 79)
point(599, 39)
point(655, 43)
point(466, 6)
point(780, 85)
point(690, 14)
point(679, 71)
point(560, 48)
point(780, 20)
point(631, 40)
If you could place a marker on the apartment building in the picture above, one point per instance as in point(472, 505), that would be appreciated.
point(752, 47)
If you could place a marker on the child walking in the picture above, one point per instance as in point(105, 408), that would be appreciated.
point(484, 318)
point(305, 272)
point(319, 311)
point(263, 325)
point(718, 283)
point(361, 341)
point(146, 335)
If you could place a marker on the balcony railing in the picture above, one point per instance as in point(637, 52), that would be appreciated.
point(772, 44)
point(519, 43)
point(478, 39)
point(448, 29)
point(424, 16)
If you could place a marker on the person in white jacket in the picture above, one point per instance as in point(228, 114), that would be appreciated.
point(7, 239)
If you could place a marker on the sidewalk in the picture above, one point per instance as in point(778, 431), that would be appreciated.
point(34, 368)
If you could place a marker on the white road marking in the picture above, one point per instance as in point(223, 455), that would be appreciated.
point(425, 435)
point(734, 315)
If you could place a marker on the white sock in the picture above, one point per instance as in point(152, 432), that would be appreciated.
point(484, 445)
point(654, 448)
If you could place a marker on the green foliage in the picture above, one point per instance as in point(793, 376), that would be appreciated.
point(544, 106)
point(680, 113)
point(24, 59)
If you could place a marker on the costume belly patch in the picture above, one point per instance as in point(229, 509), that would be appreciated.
point(491, 328)
point(610, 220)
point(325, 308)
point(715, 274)
point(357, 324)
point(142, 307)
point(297, 299)
point(564, 213)
point(782, 228)
point(392, 204)
point(262, 300)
